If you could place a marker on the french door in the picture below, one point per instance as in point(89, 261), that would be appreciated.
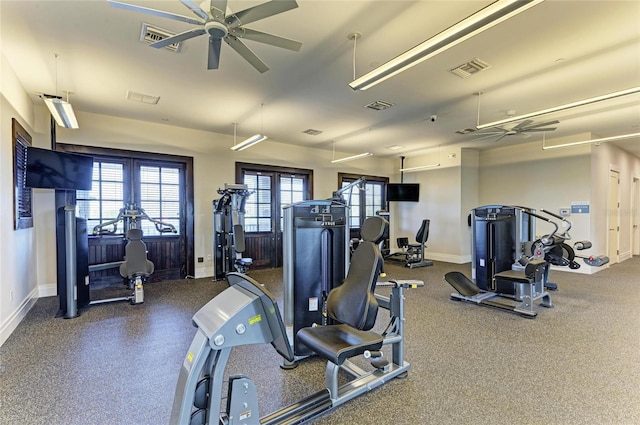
point(273, 188)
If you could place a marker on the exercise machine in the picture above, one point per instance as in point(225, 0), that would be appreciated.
point(509, 265)
point(228, 231)
point(412, 254)
point(246, 313)
point(315, 257)
point(135, 267)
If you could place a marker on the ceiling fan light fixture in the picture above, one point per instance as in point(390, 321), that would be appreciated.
point(253, 140)
point(352, 157)
point(484, 19)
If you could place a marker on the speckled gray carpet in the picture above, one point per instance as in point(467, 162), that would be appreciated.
point(578, 363)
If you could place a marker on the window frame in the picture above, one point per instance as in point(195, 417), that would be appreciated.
point(22, 196)
point(349, 178)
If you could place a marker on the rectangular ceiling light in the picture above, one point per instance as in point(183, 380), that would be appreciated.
point(584, 142)
point(61, 111)
point(484, 19)
point(351, 158)
point(583, 102)
point(419, 168)
point(255, 139)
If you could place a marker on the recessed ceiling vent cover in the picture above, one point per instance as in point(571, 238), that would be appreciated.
point(151, 34)
point(312, 132)
point(379, 105)
point(143, 98)
point(470, 68)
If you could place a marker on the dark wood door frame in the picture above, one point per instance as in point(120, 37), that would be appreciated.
point(272, 242)
point(189, 267)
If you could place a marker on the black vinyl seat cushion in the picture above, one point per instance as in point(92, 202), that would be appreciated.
point(337, 343)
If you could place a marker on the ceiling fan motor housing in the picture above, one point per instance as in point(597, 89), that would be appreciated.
point(216, 29)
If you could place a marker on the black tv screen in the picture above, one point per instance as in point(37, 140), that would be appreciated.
point(407, 192)
point(47, 169)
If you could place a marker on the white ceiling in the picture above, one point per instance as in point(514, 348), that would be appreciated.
point(554, 53)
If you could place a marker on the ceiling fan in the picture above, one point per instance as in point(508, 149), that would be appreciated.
point(523, 129)
point(212, 19)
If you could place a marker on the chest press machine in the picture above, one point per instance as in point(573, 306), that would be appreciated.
point(246, 313)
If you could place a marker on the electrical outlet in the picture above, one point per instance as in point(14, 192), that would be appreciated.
point(209, 257)
point(200, 260)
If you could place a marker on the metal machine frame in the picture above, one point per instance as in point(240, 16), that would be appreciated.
point(245, 313)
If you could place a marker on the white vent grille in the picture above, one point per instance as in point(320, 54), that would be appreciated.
point(312, 132)
point(470, 68)
point(151, 34)
point(379, 105)
point(143, 98)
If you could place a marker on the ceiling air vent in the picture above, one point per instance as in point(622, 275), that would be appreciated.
point(151, 34)
point(470, 68)
point(143, 98)
point(312, 132)
point(379, 105)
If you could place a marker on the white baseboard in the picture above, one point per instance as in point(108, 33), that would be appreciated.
point(49, 290)
point(12, 322)
point(204, 272)
point(447, 258)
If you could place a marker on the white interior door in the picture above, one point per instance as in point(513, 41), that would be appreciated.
point(613, 234)
point(635, 219)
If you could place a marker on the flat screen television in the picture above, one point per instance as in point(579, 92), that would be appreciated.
point(47, 169)
point(407, 192)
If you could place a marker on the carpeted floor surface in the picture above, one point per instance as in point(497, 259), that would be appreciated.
point(578, 363)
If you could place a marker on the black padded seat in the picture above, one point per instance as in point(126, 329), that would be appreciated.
point(352, 305)
point(339, 342)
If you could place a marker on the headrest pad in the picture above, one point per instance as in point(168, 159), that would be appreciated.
point(134, 234)
point(374, 229)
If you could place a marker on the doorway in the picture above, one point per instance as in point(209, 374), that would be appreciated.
point(613, 217)
point(635, 218)
point(273, 188)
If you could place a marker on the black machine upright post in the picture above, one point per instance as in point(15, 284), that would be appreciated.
point(315, 260)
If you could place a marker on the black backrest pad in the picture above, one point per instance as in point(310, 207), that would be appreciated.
point(373, 229)
point(353, 303)
point(423, 232)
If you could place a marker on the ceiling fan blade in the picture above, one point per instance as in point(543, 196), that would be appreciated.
point(156, 12)
point(178, 38)
point(501, 137)
point(522, 125)
point(486, 136)
point(543, 124)
point(195, 9)
point(213, 60)
point(262, 37)
point(246, 53)
point(260, 11)
point(218, 9)
point(528, 130)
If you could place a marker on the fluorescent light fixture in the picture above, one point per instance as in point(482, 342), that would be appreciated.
point(351, 158)
point(61, 111)
point(584, 142)
point(486, 18)
point(419, 168)
point(613, 95)
point(256, 138)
